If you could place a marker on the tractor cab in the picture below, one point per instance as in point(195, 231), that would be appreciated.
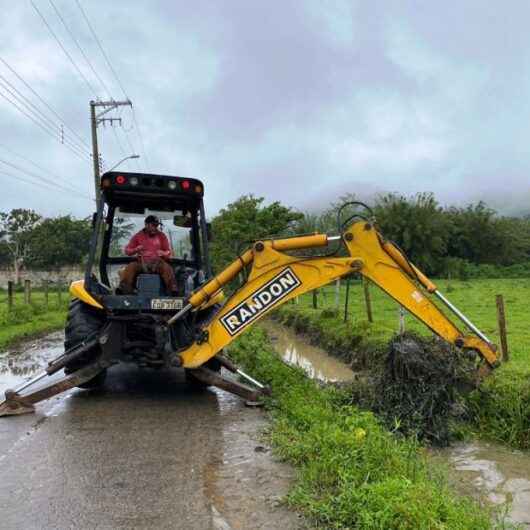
point(126, 200)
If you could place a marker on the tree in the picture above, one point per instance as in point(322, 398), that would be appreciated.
point(327, 222)
point(122, 230)
point(244, 221)
point(5, 255)
point(514, 240)
point(418, 225)
point(15, 230)
point(59, 241)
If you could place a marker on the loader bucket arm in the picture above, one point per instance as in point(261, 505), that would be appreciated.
point(275, 277)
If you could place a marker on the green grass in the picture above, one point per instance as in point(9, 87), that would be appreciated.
point(26, 320)
point(501, 407)
point(352, 473)
point(475, 298)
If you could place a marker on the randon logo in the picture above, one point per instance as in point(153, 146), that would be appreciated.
point(260, 301)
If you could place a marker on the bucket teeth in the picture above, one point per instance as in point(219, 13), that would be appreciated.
point(14, 404)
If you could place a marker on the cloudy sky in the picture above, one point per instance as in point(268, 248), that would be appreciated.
point(298, 101)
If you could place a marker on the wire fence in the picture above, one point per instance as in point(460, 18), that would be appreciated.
point(50, 293)
point(355, 298)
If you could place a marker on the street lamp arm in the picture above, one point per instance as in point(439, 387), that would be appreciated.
point(123, 160)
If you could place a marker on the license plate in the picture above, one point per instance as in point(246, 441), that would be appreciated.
point(166, 303)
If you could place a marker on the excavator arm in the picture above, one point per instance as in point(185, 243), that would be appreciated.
point(275, 277)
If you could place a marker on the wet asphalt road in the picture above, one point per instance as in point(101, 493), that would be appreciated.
point(145, 452)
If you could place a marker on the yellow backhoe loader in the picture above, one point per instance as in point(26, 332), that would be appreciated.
point(189, 329)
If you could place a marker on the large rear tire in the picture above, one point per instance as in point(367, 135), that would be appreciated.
point(82, 321)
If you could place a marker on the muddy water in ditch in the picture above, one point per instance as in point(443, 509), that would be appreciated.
point(297, 351)
point(492, 474)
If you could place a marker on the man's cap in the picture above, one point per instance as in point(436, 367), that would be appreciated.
point(152, 219)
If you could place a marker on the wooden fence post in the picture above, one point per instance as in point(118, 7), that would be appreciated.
point(501, 319)
point(27, 291)
point(46, 282)
point(347, 299)
point(401, 312)
point(367, 300)
point(10, 295)
point(337, 294)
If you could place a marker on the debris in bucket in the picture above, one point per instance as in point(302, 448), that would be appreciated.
point(418, 390)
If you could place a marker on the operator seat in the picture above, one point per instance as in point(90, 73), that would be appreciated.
point(150, 285)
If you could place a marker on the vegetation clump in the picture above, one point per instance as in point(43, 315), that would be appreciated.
point(418, 390)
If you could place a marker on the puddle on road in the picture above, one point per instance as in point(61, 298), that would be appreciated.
point(242, 481)
point(492, 473)
point(20, 364)
point(297, 351)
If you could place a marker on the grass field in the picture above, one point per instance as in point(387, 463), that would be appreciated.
point(475, 298)
point(25, 320)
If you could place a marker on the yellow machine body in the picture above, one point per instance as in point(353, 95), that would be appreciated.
point(275, 277)
point(77, 290)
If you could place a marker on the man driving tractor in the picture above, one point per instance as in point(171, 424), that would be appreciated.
point(151, 247)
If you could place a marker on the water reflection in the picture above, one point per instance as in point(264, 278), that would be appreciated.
point(20, 364)
point(500, 475)
point(297, 351)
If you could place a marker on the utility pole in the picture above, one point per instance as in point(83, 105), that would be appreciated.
point(95, 120)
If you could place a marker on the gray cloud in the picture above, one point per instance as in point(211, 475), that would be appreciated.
point(298, 102)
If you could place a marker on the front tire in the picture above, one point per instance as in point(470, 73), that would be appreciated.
point(82, 321)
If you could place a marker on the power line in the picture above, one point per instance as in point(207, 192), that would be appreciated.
point(44, 179)
point(101, 48)
point(128, 139)
point(26, 103)
point(120, 145)
point(28, 160)
point(18, 177)
point(48, 181)
point(41, 184)
point(140, 136)
point(90, 87)
point(45, 128)
point(43, 101)
point(101, 82)
point(118, 80)
point(131, 147)
point(38, 120)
